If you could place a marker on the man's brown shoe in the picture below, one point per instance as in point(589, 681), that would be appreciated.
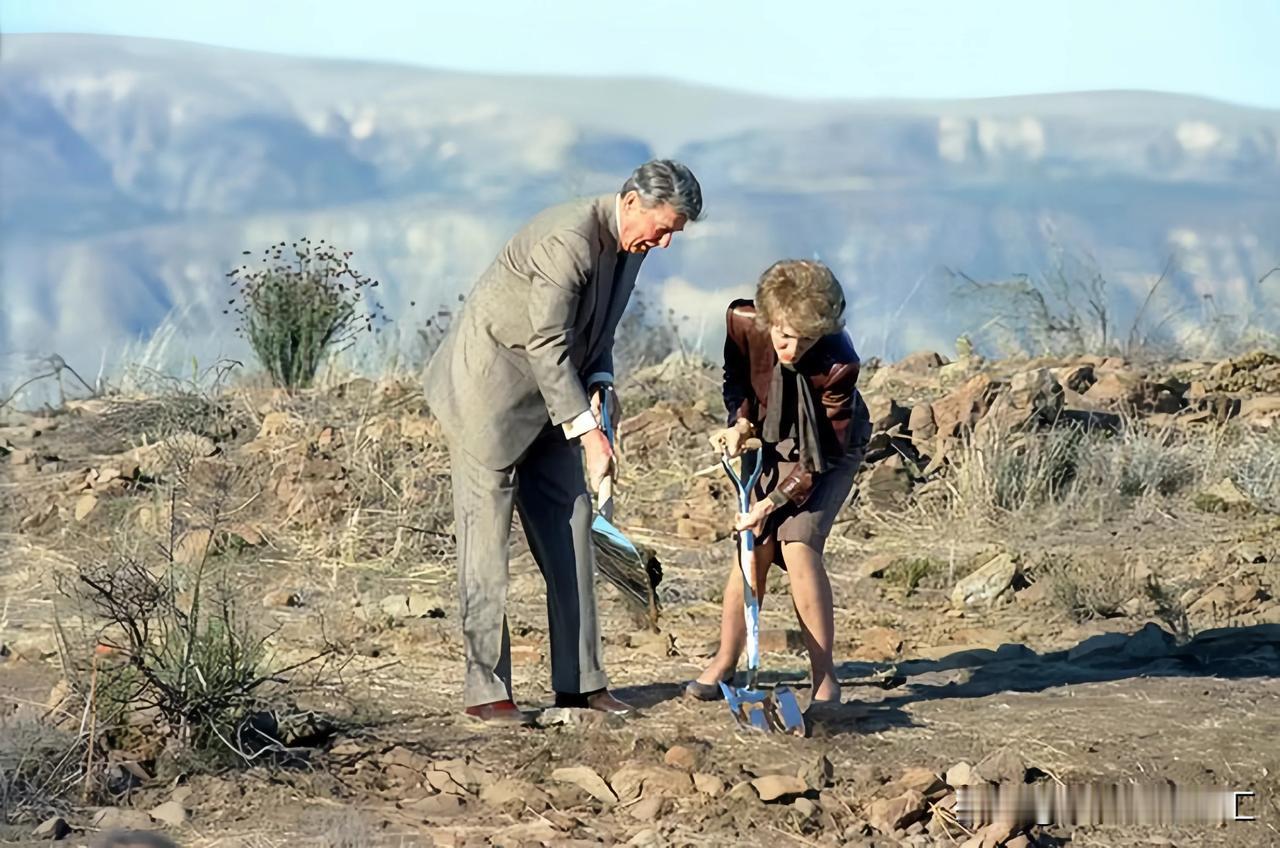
point(501, 713)
point(599, 700)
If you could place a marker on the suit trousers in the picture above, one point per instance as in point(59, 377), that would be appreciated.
point(547, 487)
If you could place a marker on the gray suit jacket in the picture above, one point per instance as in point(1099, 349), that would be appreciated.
point(539, 321)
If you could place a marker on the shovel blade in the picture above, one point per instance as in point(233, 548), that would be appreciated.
point(609, 535)
point(765, 710)
point(788, 711)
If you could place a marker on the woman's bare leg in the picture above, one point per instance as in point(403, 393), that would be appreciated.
point(811, 594)
point(733, 628)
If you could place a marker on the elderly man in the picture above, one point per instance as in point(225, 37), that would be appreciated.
point(514, 385)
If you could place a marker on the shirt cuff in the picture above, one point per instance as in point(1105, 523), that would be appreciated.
point(599, 377)
point(584, 423)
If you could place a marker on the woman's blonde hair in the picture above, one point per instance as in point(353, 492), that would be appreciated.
point(803, 294)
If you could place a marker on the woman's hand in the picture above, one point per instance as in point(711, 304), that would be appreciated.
point(754, 520)
point(730, 440)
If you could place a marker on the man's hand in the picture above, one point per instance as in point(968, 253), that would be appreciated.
point(754, 520)
point(599, 457)
point(615, 405)
point(730, 439)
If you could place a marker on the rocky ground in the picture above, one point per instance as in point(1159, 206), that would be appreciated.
point(1051, 572)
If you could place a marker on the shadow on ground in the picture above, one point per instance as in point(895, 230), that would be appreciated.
point(876, 694)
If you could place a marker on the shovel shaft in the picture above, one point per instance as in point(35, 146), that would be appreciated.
point(746, 565)
point(604, 496)
point(750, 604)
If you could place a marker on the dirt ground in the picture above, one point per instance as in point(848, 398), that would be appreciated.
point(1019, 689)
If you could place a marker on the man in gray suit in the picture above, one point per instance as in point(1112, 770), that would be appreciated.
point(514, 386)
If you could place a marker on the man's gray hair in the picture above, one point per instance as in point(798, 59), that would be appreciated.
point(667, 181)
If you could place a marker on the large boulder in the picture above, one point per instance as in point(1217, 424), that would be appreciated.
point(963, 408)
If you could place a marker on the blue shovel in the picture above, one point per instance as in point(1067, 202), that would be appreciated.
point(617, 558)
point(752, 707)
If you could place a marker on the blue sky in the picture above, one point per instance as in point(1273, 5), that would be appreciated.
point(1226, 49)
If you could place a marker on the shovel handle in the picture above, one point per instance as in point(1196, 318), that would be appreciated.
point(746, 559)
point(605, 390)
point(604, 496)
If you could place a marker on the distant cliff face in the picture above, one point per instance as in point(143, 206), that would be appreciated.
point(135, 172)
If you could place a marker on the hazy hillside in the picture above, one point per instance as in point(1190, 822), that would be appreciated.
point(134, 172)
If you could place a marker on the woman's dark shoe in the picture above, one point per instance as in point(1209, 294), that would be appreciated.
point(706, 691)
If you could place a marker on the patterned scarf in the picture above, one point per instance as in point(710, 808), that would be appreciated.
point(803, 424)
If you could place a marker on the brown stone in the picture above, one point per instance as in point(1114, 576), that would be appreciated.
point(921, 423)
point(920, 362)
point(922, 780)
point(876, 566)
point(120, 818)
point(1116, 389)
point(773, 787)
point(818, 773)
point(53, 829)
point(649, 808)
point(632, 781)
point(1079, 378)
point(586, 779)
point(889, 814)
point(960, 774)
point(708, 784)
point(463, 774)
point(678, 756)
point(85, 504)
point(987, 584)
point(962, 408)
point(509, 791)
point(1002, 766)
point(997, 834)
point(170, 813)
point(805, 808)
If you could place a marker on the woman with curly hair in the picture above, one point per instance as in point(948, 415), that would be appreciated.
point(790, 379)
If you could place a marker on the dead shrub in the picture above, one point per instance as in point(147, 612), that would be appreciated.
point(40, 767)
point(999, 473)
point(1087, 588)
point(166, 658)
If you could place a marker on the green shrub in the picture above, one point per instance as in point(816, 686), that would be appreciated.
point(304, 302)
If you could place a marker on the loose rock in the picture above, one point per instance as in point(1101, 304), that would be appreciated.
point(987, 584)
point(588, 781)
point(708, 784)
point(890, 814)
point(773, 787)
point(54, 828)
point(170, 813)
point(1002, 766)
